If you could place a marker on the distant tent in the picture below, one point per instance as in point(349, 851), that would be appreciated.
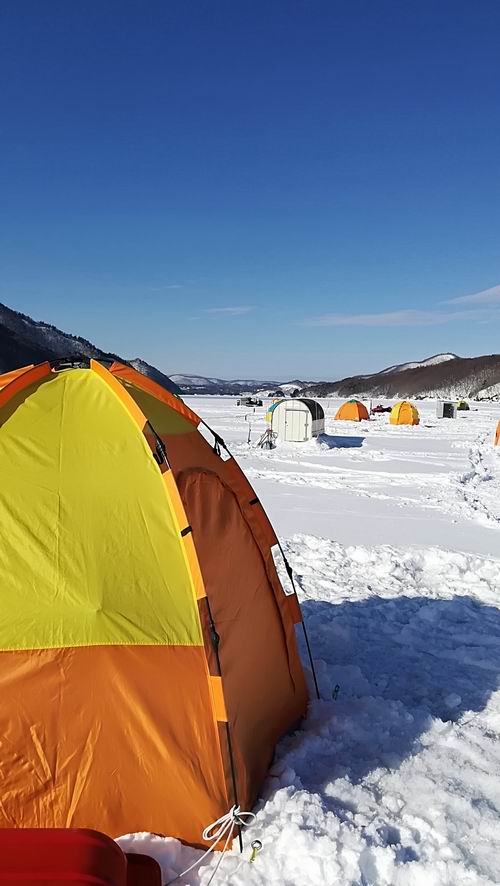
point(463, 405)
point(352, 410)
point(145, 675)
point(297, 420)
point(404, 413)
point(497, 434)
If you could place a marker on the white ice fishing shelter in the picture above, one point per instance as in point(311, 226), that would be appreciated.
point(446, 409)
point(298, 420)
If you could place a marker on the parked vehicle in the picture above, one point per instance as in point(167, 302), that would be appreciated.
point(249, 401)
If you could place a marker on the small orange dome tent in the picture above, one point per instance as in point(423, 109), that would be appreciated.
point(497, 434)
point(404, 413)
point(145, 677)
point(352, 410)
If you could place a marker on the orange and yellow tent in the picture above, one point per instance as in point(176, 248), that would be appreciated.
point(404, 413)
point(148, 661)
point(352, 410)
point(497, 434)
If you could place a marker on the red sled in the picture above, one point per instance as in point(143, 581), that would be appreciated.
point(142, 870)
point(77, 857)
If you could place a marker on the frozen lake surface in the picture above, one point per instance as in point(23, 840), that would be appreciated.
point(394, 536)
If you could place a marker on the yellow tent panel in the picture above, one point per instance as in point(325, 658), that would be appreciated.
point(62, 500)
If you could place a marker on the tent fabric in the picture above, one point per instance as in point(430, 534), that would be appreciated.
point(7, 377)
point(120, 736)
point(16, 383)
point(352, 410)
point(161, 395)
point(404, 413)
point(216, 517)
point(497, 434)
point(120, 561)
point(243, 682)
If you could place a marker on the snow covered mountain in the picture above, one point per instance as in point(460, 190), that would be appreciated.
point(200, 384)
point(23, 341)
point(443, 375)
point(431, 361)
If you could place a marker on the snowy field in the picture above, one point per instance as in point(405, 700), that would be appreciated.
point(394, 536)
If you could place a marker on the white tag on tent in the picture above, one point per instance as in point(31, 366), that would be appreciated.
point(283, 576)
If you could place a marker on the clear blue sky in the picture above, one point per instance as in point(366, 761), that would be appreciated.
point(254, 187)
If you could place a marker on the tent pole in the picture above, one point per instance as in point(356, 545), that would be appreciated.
point(313, 669)
point(306, 637)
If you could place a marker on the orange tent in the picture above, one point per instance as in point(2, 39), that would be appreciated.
point(404, 413)
point(148, 661)
point(352, 410)
point(497, 434)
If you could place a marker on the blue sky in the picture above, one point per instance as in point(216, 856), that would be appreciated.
point(254, 188)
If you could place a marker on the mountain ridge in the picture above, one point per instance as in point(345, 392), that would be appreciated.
point(450, 378)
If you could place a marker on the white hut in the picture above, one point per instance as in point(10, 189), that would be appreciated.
point(446, 409)
point(297, 420)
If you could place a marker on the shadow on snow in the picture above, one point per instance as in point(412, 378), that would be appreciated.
point(337, 442)
point(400, 663)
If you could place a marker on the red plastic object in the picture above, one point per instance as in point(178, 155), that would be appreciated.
point(76, 857)
point(142, 870)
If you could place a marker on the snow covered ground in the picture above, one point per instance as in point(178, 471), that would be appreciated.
point(394, 536)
